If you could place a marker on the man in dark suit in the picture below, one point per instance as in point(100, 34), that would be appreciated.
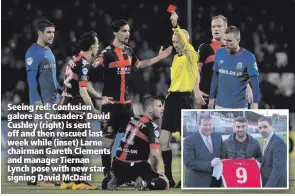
point(274, 160)
point(240, 144)
point(201, 153)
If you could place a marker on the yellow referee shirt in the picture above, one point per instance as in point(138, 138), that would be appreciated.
point(184, 69)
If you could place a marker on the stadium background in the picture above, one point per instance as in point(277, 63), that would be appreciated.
point(265, 31)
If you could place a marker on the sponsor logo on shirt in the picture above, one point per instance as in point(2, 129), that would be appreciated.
point(29, 61)
point(49, 66)
point(131, 151)
point(232, 73)
point(124, 70)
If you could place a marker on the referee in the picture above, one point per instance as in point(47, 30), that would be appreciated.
point(184, 80)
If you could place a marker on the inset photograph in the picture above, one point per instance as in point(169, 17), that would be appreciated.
point(235, 149)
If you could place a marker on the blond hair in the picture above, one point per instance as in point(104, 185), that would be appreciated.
point(221, 17)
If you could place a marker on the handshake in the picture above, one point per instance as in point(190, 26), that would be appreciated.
point(215, 162)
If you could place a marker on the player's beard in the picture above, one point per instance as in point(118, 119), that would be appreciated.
point(241, 134)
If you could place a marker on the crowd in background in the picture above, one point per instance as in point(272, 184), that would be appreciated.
point(264, 31)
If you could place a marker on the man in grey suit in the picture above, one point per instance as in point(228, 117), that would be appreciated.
point(240, 144)
point(274, 160)
point(201, 153)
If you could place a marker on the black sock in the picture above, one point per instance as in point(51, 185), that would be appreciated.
point(106, 163)
point(167, 159)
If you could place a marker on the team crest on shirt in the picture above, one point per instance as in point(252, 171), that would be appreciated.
point(85, 71)
point(239, 65)
point(29, 61)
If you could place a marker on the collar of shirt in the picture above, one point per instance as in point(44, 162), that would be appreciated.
point(205, 138)
point(268, 138)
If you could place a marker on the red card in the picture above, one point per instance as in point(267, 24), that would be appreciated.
point(171, 8)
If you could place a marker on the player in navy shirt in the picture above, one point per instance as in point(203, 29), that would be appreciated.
point(233, 67)
point(41, 67)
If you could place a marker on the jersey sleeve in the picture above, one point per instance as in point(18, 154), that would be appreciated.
point(187, 48)
point(32, 67)
point(252, 68)
point(153, 135)
point(203, 53)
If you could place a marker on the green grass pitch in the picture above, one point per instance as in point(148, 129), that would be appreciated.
point(22, 188)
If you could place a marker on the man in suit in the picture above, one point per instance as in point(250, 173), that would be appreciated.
point(274, 156)
point(201, 153)
point(240, 144)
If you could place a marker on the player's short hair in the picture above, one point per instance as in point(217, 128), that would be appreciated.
point(42, 24)
point(265, 118)
point(86, 40)
point(148, 101)
point(234, 30)
point(241, 119)
point(221, 17)
point(204, 117)
point(117, 24)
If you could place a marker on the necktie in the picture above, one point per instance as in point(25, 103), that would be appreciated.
point(264, 146)
point(210, 147)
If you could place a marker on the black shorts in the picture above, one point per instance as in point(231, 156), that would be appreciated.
point(175, 101)
point(128, 171)
point(120, 115)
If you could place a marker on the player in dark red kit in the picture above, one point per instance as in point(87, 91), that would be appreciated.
point(117, 60)
point(140, 140)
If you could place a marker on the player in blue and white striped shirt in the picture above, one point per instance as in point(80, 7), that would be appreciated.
point(233, 67)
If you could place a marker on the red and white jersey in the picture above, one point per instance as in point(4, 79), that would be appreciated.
point(240, 173)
